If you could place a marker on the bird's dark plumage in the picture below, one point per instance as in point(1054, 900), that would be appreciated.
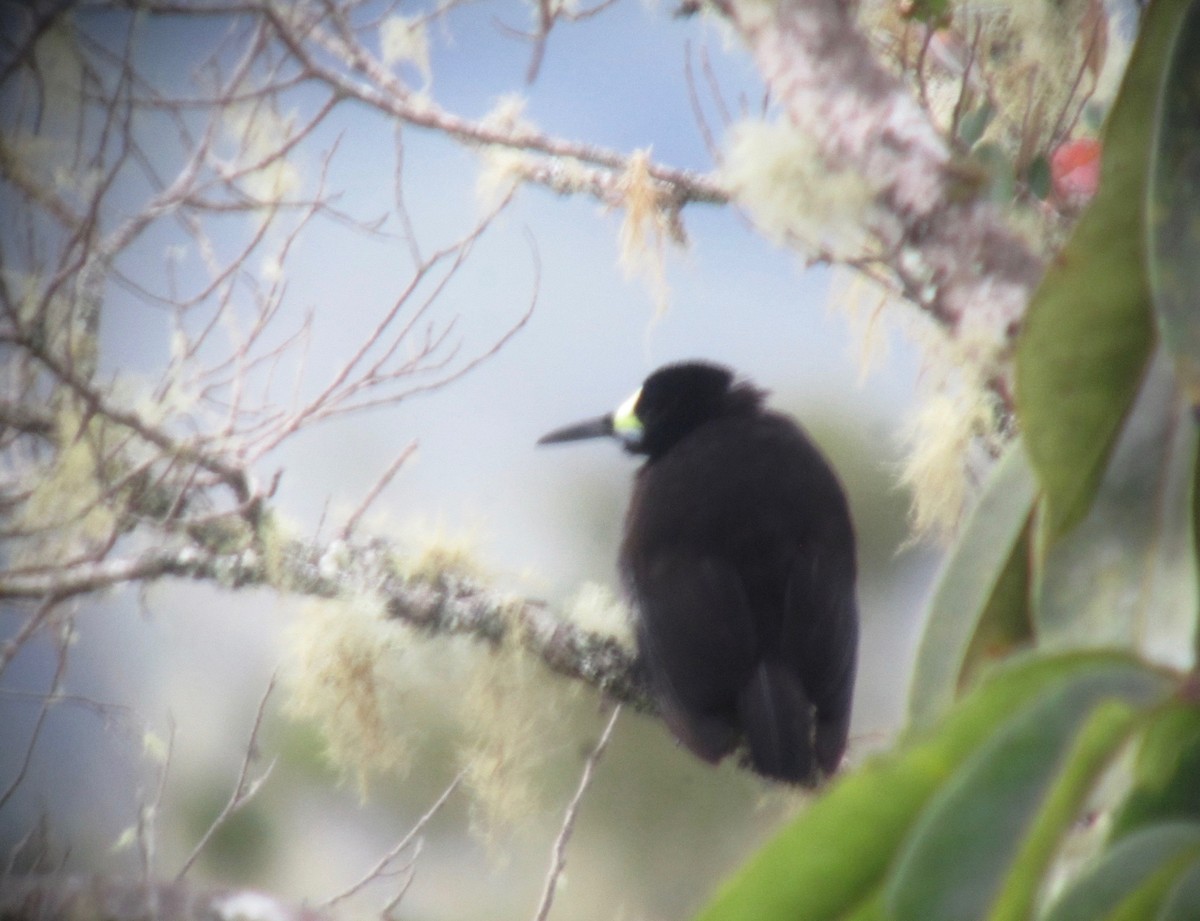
point(739, 557)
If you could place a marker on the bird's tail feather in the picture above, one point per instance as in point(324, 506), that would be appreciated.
point(778, 720)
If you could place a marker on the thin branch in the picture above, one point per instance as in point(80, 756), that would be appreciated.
point(59, 895)
point(60, 670)
point(445, 604)
point(243, 791)
point(147, 824)
point(373, 493)
point(97, 403)
point(33, 623)
point(558, 855)
point(823, 73)
point(381, 868)
point(378, 92)
point(698, 116)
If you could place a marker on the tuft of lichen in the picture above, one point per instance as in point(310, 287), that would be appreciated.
point(344, 668)
point(504, 168)
point(957, 423)
point(864, 302)
point(440, 558)
point(256, 133)
point(641, 242)
point(596, 609)
point(957, 419)
point(403, 40)
point(69, 510)
point(777, 173)
point(512, 719)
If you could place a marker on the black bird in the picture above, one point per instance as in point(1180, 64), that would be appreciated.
point(739, 558)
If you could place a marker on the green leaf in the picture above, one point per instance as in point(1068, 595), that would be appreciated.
point(974, 123)
point(1088, 332)
point(966, 599)
point(832, 860)
point(1183, 901)
point(1165, 778)
point(1105, 730)
point(1126, 574)
point(1005, 626)
point(1194, 505)
point(1037, 176)
point(1173, 207)
point(1141, 866)
point(1030, 774)
point(932, 12)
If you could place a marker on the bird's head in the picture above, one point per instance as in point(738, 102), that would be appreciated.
point(671, 402)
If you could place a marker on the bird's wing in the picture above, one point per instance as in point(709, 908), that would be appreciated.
point(698, 639)
point(820, 639)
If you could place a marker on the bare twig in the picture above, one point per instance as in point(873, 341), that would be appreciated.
point(706, 134)
point(243, 791)
point(558, 855)
point(60, 896)
point(382, 868)
point(32, 624)
point(60, 670)
point(373, 493)
point(148, 812)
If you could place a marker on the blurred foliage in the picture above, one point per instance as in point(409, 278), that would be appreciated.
point(936, 828)
point(1088, 333)
point(975, 591)
point(1084, 537)
point(1173, 207)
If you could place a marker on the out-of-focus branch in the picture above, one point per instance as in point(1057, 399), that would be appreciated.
point(328, 52)
point(558, 860)
point(448, 603)
point(958, 255)
point(60, 897)
point(87, 463)
point(385, 866)
point(243, 791)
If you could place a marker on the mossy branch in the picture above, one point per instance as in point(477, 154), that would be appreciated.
point(434, 603)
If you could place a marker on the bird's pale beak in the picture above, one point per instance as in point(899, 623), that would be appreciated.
point(593, 428)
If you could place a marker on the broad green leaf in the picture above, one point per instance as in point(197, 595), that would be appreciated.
point(1005, 626)
point(1147, 900)
point(1173, 207)
point(1183, 901)
point(1166, 775)
point(1194, 505)
point(1144, 863)
point(968, 583)
point(1125, 575)
point(872, 908)
point(831, 861)
point(1088, 331)
point(1098, 740)
point(954, 865)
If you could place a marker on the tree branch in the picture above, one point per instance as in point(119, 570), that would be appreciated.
point(558, 861)
point(953, 244)
point(59, 897)
point(448, 603)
